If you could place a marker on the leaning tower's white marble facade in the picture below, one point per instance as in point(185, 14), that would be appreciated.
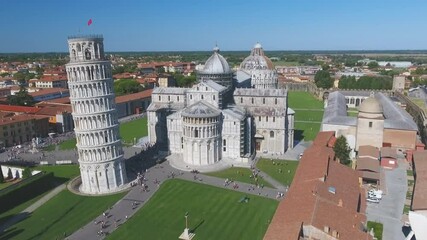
point(92, 98)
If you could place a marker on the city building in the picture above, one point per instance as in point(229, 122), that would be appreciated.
point(134, 103)
point(49, 81)
point(325, 200)
point(418, 213)
point(379, 123)
point(45, 94)
point(99, 147)
point(214, 121)
point(17, 129)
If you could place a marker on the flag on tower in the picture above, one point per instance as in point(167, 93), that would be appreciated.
point(89, 22)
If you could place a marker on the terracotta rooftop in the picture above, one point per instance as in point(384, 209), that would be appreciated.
point(53, 78)
point(47, 91)
point(134, 96)
point(369, 151)
point(21, 109)
point(59, 100)
point(323, 193)
point(419, 199)
point(20, 118)
point(388, 152)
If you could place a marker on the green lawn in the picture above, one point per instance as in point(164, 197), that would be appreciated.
point(273, 170)
point(378, 229)
point(68, 144)
point(66, 212)
point(303, 100)
point(315, 116)
point(128, 132)
point(352, 113)
point(303, 103)
point(5, 185)
point(136, 129)
point(306, 131)
point(214, 213)
point(240, 175)
point(285, 63)
point(61, 172)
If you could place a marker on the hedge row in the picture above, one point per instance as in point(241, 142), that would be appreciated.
point(25, 190)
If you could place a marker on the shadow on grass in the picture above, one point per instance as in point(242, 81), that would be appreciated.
point(197, 226)
point(298, 135)
point(10, 234)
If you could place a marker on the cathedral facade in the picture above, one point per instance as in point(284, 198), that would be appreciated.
point(214, 120)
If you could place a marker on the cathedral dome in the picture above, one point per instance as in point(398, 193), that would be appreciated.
point(257, 60)
point(371, 105)
point(216, 64)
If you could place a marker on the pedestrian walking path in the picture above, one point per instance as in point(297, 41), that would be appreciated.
point(32, 208)
point(124, 209)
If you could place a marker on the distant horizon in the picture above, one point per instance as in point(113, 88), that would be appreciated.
point(197, 25)
point(417, 51)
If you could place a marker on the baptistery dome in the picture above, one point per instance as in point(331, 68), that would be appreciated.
point(262, 71)
point(257, 60)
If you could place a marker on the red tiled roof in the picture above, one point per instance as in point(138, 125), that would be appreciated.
point(369, 151)
point(134, 96)
point(46, 91)
point(60, 100)
point(323, 193)
point(52, 78)
point(22, 109)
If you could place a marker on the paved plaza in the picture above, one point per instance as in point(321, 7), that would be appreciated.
point(389, 210)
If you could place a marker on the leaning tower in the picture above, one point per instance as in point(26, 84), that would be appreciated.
point(102, 166)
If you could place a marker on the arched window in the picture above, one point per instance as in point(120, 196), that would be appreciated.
point(73, 53)
point(79, 48)
point(252, 100)
point(263, 101)
point(241, 100)
point(271, 134)
point(213, 97)
point(275, 101)
point(87, 54)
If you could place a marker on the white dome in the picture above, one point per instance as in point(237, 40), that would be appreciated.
point(216, 64)
point(371, 105)
point(257, 60)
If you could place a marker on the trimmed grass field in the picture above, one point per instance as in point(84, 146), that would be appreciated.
point(128, 132)
point(62, 174)
point(303, 100)
point(136, 129)
point(214, 213)
point(273, 167)
point(65, 213)
point(238, 174)
point(61, 171)
point(312, 115)
point(378, 229)
point(307, 109)
point(306, 131)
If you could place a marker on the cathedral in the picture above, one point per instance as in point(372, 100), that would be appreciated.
point(222, 119)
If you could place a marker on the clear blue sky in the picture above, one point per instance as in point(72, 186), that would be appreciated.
point(176, 25)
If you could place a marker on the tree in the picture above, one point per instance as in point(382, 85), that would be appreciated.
point(21, 98)
point(26, 173)
point(9, 174)
point(373, 64)
point(323, 79)
point(342, 150)
point(1, 176)
point(127, 86)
